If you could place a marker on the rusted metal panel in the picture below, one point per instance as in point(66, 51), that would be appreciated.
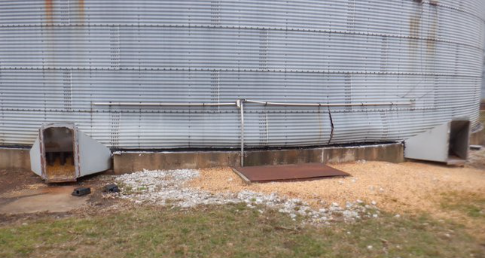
point(260, 174)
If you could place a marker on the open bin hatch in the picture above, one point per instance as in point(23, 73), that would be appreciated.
point(62, 153)
point(447, 143)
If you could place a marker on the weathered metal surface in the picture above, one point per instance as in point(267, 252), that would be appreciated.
point(261, 174)
point(59, 57)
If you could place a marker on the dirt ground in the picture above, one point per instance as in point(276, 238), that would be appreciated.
point(404, 187)
point(396, 188)
point(24, 196)
point(11, 180)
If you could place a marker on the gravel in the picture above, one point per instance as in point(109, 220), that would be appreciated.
point(171, 188)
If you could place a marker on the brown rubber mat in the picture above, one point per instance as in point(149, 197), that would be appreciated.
point(287, 172)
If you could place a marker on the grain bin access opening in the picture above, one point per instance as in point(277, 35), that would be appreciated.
point(458, 142)
point(447, 143)
point(62, 153)
point(59, 153)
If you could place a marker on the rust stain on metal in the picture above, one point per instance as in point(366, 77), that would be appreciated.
point(414, 32)
point(81, 11)
point(81, 32)
point(263, 174)
point(431, 42)
point(414, 24)
point(81, 4)
point(49, 34)
point(49, 11)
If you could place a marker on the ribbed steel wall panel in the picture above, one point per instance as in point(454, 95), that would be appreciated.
point(483, 75)
point(57, 58)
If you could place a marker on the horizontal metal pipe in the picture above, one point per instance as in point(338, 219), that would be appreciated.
point(163, 104)
point(265, 103)
point(328, 105)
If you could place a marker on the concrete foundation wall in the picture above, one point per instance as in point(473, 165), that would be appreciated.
point(126, 162)
point(14, 159)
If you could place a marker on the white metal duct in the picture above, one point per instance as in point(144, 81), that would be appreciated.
point(57, 58)
point(62, 153)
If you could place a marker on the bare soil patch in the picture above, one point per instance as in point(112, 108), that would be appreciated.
point(17, 179)
point(25, 197)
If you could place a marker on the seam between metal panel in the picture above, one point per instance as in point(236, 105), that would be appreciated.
point(239, 28)
point(236, 70)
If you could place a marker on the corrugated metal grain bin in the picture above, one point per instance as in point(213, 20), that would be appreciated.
point(483, 76)
point(373, 71)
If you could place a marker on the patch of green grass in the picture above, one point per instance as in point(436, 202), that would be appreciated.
point(141, 189)
point(232, 231)
point(471, 205)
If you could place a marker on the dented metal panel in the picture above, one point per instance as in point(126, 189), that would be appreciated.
point(57, 58)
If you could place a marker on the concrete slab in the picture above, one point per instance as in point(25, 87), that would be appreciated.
point(44, 199)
